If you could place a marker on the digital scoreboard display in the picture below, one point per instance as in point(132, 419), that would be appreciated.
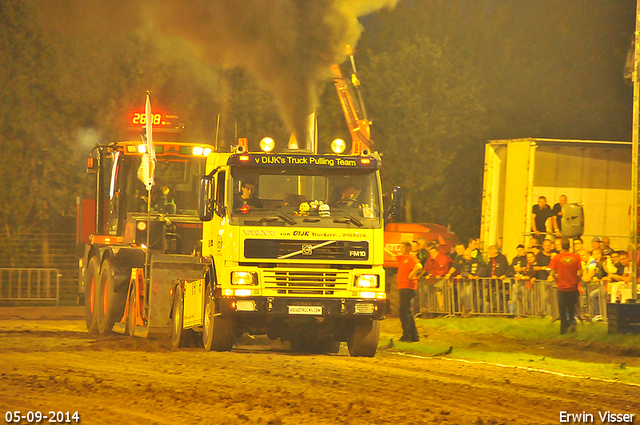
point(139, 119)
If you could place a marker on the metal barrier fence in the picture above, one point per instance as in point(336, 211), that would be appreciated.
point(504, 297)
point(22, 284)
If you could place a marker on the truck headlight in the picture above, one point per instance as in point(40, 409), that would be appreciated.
point(367, 281)
point(244, 278)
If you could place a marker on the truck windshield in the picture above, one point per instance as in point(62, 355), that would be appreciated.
point(175, 190)
point(309, 197)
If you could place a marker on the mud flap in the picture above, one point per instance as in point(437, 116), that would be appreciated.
point(165, 272)
point(193, 303)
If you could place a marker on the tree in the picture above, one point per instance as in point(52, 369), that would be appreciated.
point(548, 68)
point(425, 111)
point(33, 136)
point(64, 92)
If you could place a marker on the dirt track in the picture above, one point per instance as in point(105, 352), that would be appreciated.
point(55, 365)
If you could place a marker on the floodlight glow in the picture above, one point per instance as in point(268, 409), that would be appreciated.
point(267, 144)
point(338, 146)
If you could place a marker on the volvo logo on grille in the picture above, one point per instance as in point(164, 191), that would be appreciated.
point(307, 250)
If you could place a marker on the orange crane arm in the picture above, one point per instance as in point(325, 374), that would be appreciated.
point(353, 109)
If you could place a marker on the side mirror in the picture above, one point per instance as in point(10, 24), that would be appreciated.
point(394, 213)
point(221, 210)
point(205, 198)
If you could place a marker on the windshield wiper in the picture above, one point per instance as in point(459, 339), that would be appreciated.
point(278, 217)
point(349, 219)
point(286, 219)
point(268, 219)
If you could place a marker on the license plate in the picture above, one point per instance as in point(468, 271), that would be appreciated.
point(364, 308)
point(246, 305)
point(306, 309)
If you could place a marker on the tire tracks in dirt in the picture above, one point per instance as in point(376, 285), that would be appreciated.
point(128, 380)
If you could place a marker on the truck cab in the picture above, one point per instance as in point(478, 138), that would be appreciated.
point(294, 247)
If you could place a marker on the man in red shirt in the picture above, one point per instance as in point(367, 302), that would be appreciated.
point(438, 264)
point(566, 268)
point(408, 269)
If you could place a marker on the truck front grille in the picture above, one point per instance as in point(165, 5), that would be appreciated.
point(297, 249)
point(303, 282)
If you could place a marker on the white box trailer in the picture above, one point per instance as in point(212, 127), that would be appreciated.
point(596, 174)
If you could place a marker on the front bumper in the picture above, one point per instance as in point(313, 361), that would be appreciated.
point(302, 307)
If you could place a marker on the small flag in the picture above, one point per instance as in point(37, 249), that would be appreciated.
point(145, 171)
point(148, 162)
point(149, 124)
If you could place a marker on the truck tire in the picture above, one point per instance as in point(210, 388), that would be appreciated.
point(110, 304)
point(91, 280)
point(218, 332)
point(364, 340)
point(180, 337)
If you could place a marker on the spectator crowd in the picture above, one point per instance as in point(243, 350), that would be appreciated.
point(606, 269)
point(584, 277)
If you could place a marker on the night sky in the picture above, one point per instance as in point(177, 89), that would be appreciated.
point(551, 68)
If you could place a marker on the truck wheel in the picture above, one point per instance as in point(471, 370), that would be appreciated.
point(91, 280)
point(180, 337)
point(110, 303)
point(218, 332)
point(364, 340)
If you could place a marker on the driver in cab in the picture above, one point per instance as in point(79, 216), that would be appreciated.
point(347, 197)
point(246, 196)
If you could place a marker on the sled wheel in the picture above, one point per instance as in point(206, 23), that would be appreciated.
point(133, 312)
point(180, 337)
point(91, 280)
point(110, 304)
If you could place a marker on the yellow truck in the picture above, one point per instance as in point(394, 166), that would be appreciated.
point(284, 244)
point(292, 245)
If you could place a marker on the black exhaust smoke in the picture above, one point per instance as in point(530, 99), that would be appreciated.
point(287, 45)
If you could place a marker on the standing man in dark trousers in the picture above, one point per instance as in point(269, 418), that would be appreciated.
point(408, 268)
point(540, 214)
point(566, 268)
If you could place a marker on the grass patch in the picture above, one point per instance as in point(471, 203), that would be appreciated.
point(531, 328)
point(539, 331)
point(612, 371)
